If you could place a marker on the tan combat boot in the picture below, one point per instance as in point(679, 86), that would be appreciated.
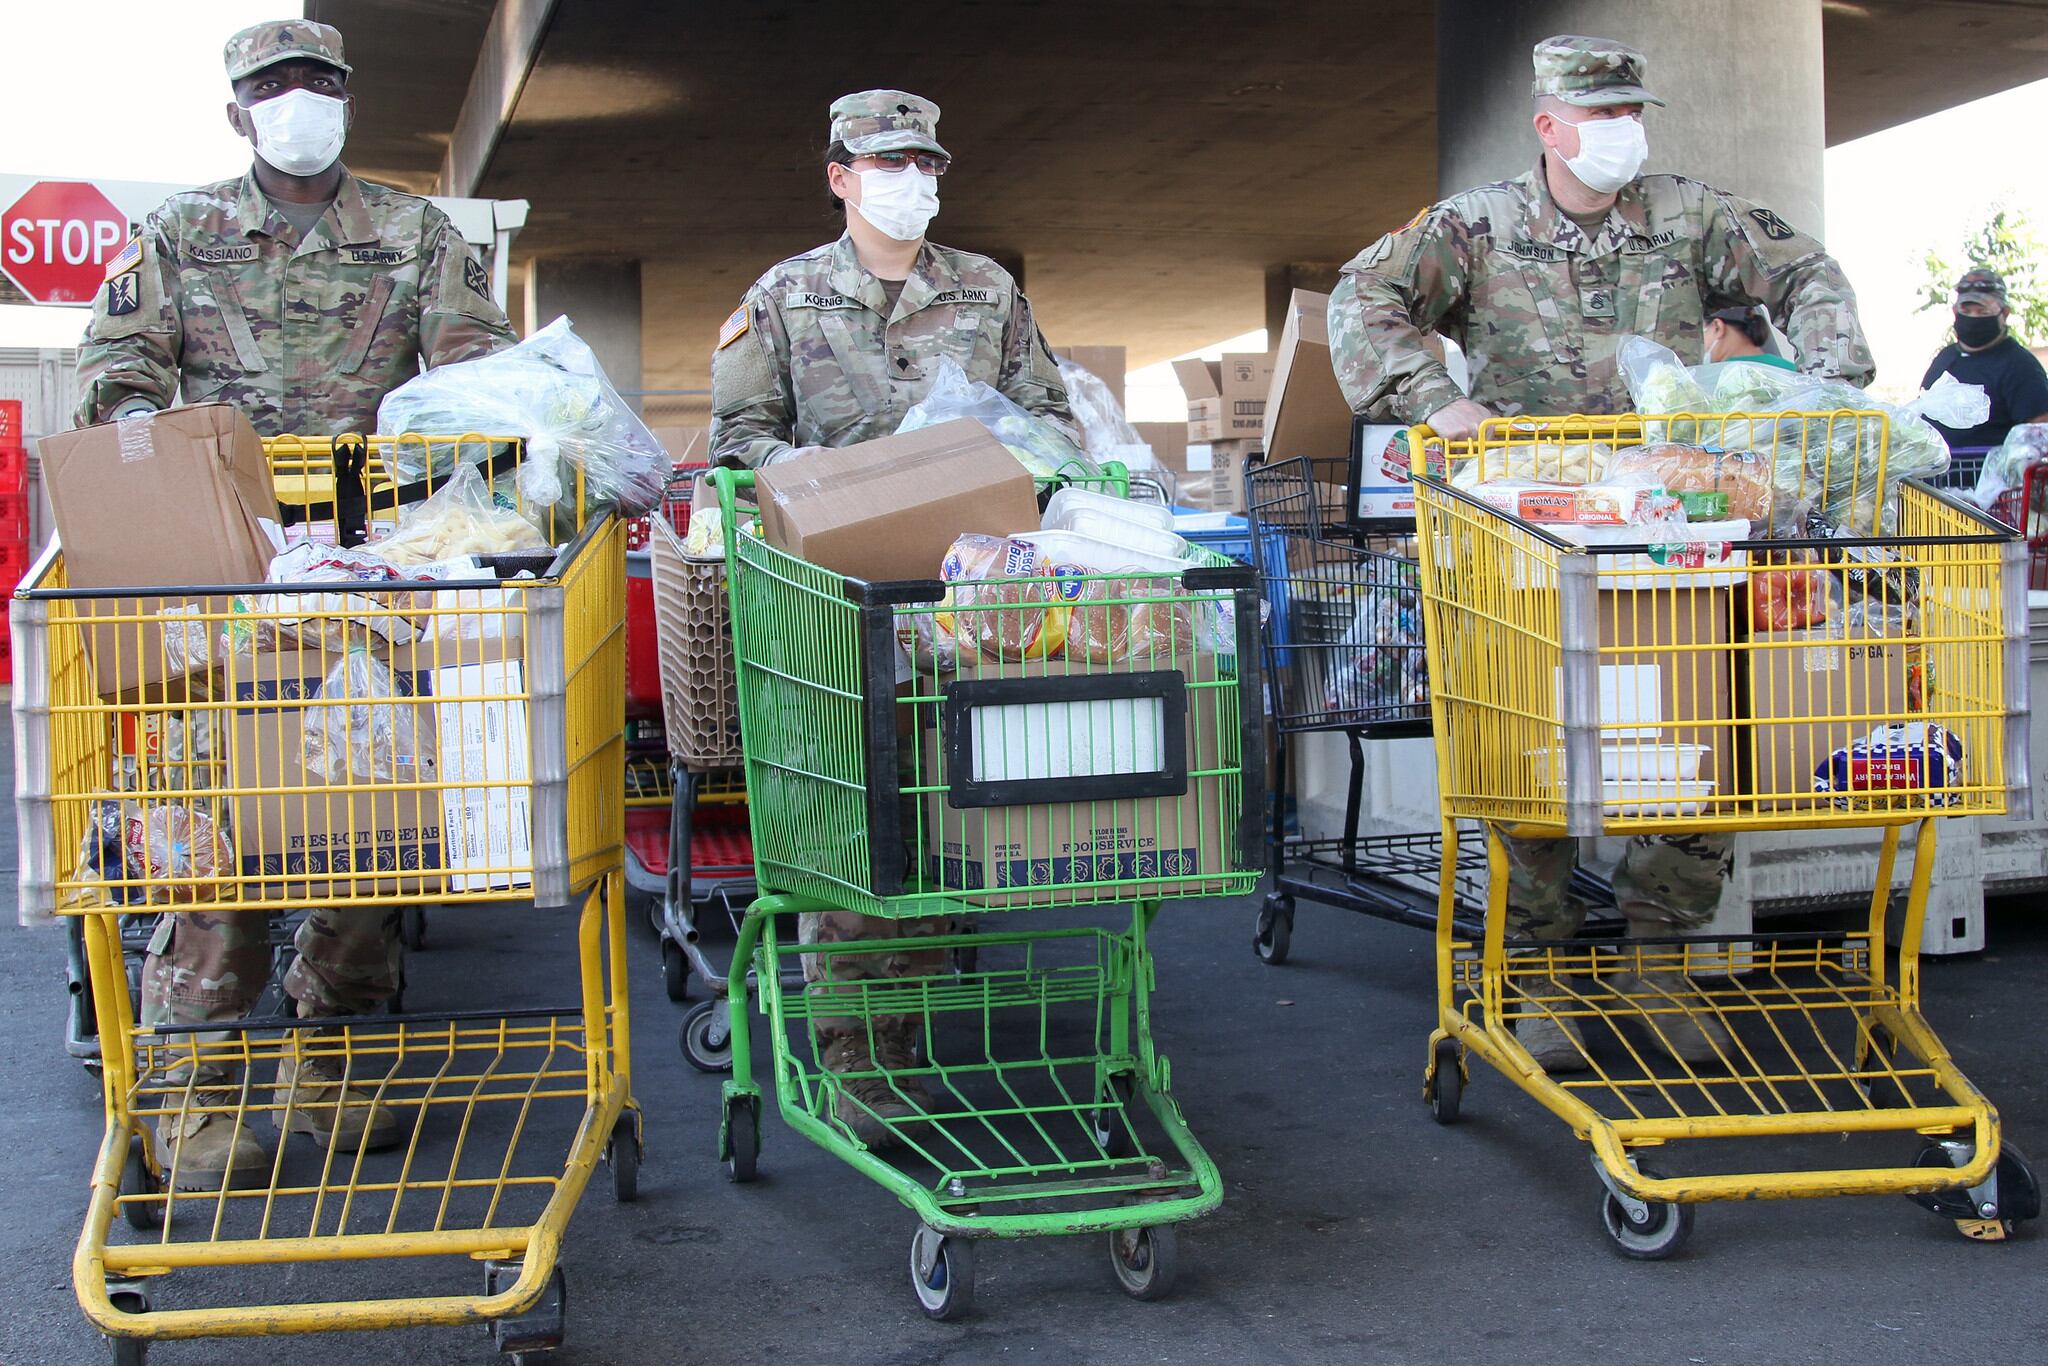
point(867, 1105)
point(350, 1118)
point(1697, 1035)
point(1554, 1041)
point(896, 1052)
point(208, 1152)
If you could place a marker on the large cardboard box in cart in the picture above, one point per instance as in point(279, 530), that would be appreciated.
point(1186, 830)
point(178, 498)
point(1798, 677)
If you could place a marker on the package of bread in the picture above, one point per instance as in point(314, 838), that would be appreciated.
point(1002, 601)
point(1715, 485)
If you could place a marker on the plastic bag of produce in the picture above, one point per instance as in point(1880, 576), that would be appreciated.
point(2005, 468)
point(1040, 446)
point(358, 729)
point(550, 390)
point(1105, 433)
point(462, 518)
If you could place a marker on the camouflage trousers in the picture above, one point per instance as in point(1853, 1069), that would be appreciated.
point(842, 974)
point(205, 966)
point(1664, 883)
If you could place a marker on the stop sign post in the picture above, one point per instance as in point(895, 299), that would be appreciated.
point(56, 240)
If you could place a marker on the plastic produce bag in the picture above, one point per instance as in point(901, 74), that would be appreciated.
point(1105, 432)
point(2005, 468)
point(356, 732)
point(1040, 446)
point(550, 390)
point(462, 518)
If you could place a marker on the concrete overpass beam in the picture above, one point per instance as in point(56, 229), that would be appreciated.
point(601, 296)
point(1743, 81)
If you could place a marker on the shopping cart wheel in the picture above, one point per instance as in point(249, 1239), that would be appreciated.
point(675, 970)
point(1991, 1212)
point(742, 1138)
point(707, 1036)
point(540, 1328)
point(128, 1297)
point(1275, 929)
point(137, 1179)
point(1145, 1260)
point(412, 927)
point(942, 1274)
point(1111, 1122)
point(1650, 1235)
point(1446, 1083)
point(622, 1155)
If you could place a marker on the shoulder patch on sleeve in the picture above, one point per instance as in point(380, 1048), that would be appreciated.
point(1420, 214)
point(1775, 228)
point(127, 259)
point(124, 294)
point(735, 326)
point(475, 276)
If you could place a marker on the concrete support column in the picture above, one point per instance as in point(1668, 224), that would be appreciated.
point(1742, 80)
point(1282, 281)
point(601, 295)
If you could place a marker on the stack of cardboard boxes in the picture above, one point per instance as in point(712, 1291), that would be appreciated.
point(1227, 419)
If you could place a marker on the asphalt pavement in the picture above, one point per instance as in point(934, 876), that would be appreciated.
point(1354, 1229)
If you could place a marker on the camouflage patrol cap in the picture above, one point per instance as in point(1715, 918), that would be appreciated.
point(1987, 285)
point(1590, 72)
point(886, 121)
point(280, 40)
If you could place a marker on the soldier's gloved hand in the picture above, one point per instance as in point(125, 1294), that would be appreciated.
point(134, 405)
point(1458, 420)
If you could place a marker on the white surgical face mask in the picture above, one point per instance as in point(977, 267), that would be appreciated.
point(299, 132)
point(899, 203)
point(1611, 152)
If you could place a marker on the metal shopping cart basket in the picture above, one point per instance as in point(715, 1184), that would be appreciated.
point(975, 780)
point(1629, 687)
point(364, 745)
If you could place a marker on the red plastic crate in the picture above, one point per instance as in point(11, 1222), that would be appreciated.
point(13, 470)
point(12, 436)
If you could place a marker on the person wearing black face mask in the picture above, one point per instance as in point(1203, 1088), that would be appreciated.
point(1985, 353)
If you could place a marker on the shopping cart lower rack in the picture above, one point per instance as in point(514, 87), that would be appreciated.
point(1535, 642)
point(1025, 1090)
point(459, 743)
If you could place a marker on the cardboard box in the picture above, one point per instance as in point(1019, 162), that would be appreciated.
point(685, 445)
point(890, 508)
point(1377, 473)
point(1188, 839)
point(1106, 363)
point(1798, 678)
point(1229, 461)
point(1169, 443)
point(1227, 397)
point(1689, 698)
point(306, 846)
point(1306, 415)
point(178, 498)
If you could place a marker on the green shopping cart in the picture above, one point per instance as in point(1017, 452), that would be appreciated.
point(1026, 744)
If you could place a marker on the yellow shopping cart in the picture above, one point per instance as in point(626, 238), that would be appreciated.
point(1863, 667)
point(339, 744)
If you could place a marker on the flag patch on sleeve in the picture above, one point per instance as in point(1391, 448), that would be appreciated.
point(734, 327)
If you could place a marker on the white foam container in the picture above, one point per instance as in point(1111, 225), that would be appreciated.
point(1634, 763)
point(1678, 797)
point(1094, 555)
point(1146, 527)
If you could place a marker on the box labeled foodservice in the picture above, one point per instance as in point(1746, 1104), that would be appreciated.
point(1227, 397)
point(1106, 363)
point(174, 499)
point(1802, 688)
point(1116, 744)
point(1306, 415)
point(303, 835)
point(889, 509)
point(1229, 462)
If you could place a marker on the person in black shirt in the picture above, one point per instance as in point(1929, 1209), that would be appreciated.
point(1985, 353)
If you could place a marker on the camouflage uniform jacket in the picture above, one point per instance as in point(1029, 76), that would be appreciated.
point(810, 359)
point(1539, 309)
point(220, 300)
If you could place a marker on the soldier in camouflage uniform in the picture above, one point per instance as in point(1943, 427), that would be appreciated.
point(832, 348)
point(1539, 278)
point(302, 296)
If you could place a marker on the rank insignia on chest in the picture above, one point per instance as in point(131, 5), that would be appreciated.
point(124, 294)
point(476, 277)
point(1597, 302)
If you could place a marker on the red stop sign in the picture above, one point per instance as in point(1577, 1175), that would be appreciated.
point(56, 240)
